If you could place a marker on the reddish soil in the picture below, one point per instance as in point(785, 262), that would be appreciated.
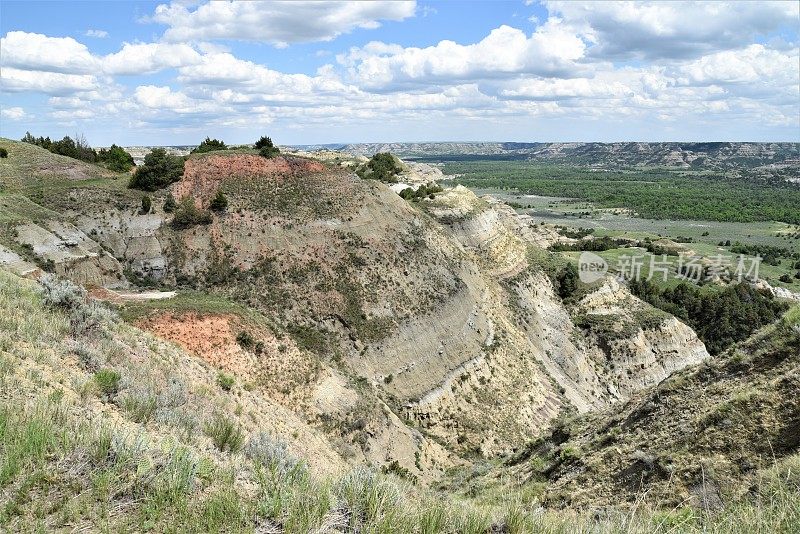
point(209, 337)
point(202, 176)
point(280, 369)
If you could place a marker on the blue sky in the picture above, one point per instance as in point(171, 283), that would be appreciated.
point(305, 72)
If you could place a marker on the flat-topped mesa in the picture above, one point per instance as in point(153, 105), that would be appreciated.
point(203, 175)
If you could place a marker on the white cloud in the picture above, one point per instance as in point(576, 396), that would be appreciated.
point(62, 65)
point(653, 30)
point(155, 97)
point(753, 64)
point(559, 89)
point(99, 34)
point(34, 51)
point(14, 114)
point(566, 71)
point(73, 114)
point(279, 23)
point(141, 58)
point(552, 50)
point(53, 83)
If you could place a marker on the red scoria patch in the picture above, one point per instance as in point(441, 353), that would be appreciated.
point(202, 176)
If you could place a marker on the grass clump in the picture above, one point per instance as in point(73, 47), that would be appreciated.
point(225, 381)
point(225, 433)
point(107, 381)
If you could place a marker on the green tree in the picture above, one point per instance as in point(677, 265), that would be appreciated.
point(159, 170)
point(567, 281)
point(169, 203)
point(219, 202)
point(147, 203)
point(264, 142)
point(116, 158)
point(209, 145)
point(3, 153)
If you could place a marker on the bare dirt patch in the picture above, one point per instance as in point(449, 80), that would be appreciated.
point(202, 176)
point(271, 364)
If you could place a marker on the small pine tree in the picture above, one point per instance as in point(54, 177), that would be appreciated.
point(3, 153)
point(264, 142)
point(219, 202)
point(209, 145)
point(169, 203)
point(147, 203)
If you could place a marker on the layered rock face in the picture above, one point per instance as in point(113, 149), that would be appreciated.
point(435, 325)
point(68, 251)
point(592, 367)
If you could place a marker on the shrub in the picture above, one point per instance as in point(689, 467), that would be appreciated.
point(219, 202)
point(116, 159)
point(382, 166)
point(269, 152)
point(147, 203)
point(427, 190)
point(84, 316)
point(88, 318)
point(224, 433)
point(107, 381)
point(209, 145)
point(169, 203)
point(785, 278)
point(3, 153)
point(225, 381)
point(245, 339)
point(567, 281)
point(271, 453)
point(158, 171)
point(61, 294)
point(188, 215)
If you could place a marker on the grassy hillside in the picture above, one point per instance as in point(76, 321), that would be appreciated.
point(104, 428)
point(702, 437)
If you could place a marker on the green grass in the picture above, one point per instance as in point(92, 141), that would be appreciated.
point(30, 166)
point(183, 302)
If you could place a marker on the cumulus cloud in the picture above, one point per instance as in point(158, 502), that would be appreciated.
point(14, 114)
point(552, 50)
point(670, 30)
point(147, 58)
point(157, 97)
point(59, 65)
point(53, 83)
point(34, 51)
point(753, 64)
point(279, 23)
point(99, 34)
